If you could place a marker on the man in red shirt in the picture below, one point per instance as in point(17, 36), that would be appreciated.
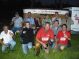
point(44, 35)
point(63, 36)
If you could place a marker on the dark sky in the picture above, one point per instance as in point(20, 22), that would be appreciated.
point(48, 1)
point(58, 1)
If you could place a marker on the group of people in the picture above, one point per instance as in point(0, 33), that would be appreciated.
point(50, 33)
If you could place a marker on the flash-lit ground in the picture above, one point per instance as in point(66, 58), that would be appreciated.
point(68, 53)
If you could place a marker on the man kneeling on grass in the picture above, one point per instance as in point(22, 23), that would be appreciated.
point(44, 35)
point(63, 37)
point(27, 37)
point(6, 39)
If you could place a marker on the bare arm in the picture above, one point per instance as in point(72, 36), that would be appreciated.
point(44, 45)
point(1, 42)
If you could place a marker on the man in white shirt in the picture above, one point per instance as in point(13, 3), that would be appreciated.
point(6, 39)
point(17, 21)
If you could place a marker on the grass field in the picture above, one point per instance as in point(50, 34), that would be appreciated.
point(68, 53)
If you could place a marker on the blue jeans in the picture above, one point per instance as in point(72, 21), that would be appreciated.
point(14, 29)
point(26, 47)
point(11, 44)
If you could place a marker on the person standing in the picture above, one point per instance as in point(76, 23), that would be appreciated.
point(17, 21)
point(57, 18)
point(47, 19)
point(29, 19)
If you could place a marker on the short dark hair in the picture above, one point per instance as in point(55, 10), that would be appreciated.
point(56, 12)
point(47, 23)
point(29, 12)
point(56, 21)
point(64, 25)
point(5, 26)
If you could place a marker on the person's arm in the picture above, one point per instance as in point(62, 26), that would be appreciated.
point(44, 45)
point(11, 33)
point(56, 39)
point(1, 39)
point(51, 35)
point(38, 38)
point(33, 23)
point(1, 42)
point(12, 22)
point(22, 21)
point(67, 36)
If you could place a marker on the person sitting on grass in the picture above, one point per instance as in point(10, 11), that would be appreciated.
point(44, 35)
point(27, 37)
point(6, 39)
point(63, 36)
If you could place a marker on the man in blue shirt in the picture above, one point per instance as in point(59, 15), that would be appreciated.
point(30, 19)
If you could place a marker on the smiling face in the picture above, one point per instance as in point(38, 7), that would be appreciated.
point(28, 25)
point(56, 23)
point(64, 27)
point(47, 26)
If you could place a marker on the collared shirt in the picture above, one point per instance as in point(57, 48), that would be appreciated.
point(44, 36)
point(31, 20)
point(46, 20)
point(17, 21)
point(56, 29)
point(6, 37)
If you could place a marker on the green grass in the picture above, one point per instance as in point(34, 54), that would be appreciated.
point(68, 53)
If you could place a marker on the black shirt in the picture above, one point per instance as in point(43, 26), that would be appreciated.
point(27, 35)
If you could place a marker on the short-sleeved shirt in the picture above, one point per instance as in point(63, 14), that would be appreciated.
point(31, 20)
point(46, 20)
point(62, 39)
point(56, 29)
point(17, 21)
point(45, 36)
point(6, 37)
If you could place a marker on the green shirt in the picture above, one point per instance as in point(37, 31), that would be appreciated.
point(46, 20)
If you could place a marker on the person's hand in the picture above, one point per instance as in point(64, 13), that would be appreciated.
point(11, 33)
point(65, 36)
point(55, 46)
point(44, 45)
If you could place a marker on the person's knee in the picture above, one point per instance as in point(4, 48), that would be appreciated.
point(3, 48)
point(30, 45)
point(24, 48)
point(37, 45)
point(62, 47)
point(13, 43)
